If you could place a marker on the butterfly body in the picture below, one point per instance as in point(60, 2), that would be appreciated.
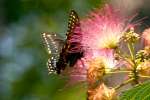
point(59, 50)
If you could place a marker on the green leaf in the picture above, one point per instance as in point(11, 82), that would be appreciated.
point(140, 92)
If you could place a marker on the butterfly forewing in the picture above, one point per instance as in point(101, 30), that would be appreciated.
point(67, 58)
point(74, 46)
point(72, 23)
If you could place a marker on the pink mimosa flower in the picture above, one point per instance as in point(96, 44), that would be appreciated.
point(97, 36)
point(106, 56)
point(78, 72)
point(102, 58)
point(103, 28)
point(146, 37)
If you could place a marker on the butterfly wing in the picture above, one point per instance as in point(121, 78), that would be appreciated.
point(70, 53)
point(54, 45)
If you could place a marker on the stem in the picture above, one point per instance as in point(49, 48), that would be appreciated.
point(134, 71)
point(143, 76)
point(124, 83)
point(118, 72)
point(131, 50)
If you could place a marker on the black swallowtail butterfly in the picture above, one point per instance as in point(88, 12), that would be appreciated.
point(59, 49)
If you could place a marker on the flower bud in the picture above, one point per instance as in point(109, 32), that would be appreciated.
point(131, 36)
point(102, 92)
point(96, 70)
point(144, 68)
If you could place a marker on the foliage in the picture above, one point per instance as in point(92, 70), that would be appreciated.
point(140, 92)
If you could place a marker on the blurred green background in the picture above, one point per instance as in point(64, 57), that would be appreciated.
point(23, 72)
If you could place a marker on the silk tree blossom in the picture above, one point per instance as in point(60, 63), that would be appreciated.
point(97, 36)
point(108, 59)
point(105, 55)
point(146, 37)
point(78, 72)
point(93, 65)
point(103, 28)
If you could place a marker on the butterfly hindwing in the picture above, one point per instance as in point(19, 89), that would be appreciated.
point(53, 42)
point(54, 45)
